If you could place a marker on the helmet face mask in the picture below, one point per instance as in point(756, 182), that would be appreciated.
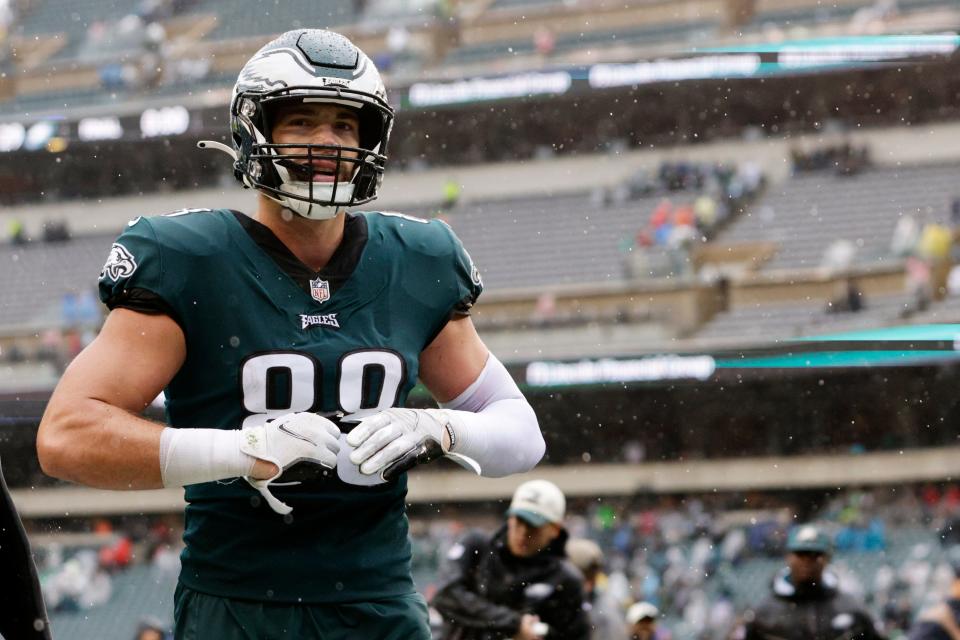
point(310, 66)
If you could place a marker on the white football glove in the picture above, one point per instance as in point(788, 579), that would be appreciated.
point(287, 440)
point(395, 440)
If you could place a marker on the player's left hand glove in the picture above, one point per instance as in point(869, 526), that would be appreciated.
point(395, 440)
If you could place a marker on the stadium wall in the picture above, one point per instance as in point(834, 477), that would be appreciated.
point(585, 480)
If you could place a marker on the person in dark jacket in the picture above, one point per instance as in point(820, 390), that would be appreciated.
point(806, 604)
point(942, 621)
point(22, 611)
point(516, 584)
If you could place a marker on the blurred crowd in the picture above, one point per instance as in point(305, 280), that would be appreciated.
point(701, 560)
point(929, 250)
point(78, 569)
point(79, 318)
point(698, 199)
point(843, 160)
point(697, 561)
point(134, 49)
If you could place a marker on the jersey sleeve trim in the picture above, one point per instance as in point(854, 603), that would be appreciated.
point(143, 301)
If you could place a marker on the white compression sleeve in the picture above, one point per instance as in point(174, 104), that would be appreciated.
point(190, 456)
point(494, 424)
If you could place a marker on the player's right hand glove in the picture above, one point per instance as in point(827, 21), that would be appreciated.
point(287, 440)
point(396, 440)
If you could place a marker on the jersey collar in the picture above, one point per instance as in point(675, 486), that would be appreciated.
point(342, 263)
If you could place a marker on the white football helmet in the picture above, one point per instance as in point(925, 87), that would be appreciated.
point(309, 65)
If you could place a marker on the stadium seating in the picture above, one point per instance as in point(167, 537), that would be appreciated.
point(578, 42)
point(807, 213)
point(947, 310)
point(512, 4)
point(561, 241)
point(809, 14)
point(803, 318)
point(72, 19)
point(138, 592)
point(58, 100)
point(244, 18)
point(38, 274)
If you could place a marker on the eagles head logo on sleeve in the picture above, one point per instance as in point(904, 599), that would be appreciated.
point(120, 263)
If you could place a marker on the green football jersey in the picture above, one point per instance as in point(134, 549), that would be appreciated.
point(265, 336)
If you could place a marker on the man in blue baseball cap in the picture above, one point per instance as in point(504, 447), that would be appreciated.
point(806, 603)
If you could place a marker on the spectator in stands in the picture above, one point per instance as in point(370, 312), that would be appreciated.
point(919, 284)
point(544, 41)
point(516, 583)
point(56, 231)
point(705, 210)
point(398, 43)
point(950, 532)
point(451, 194)
point(849, 298)
point(722, 615)
point(150, 10)
point(942, 621)
point(8, 18)
point(838, 256)
point(642, 622)
point(906, 235)
point(871, 19)
point(935, 242)
point(15, 232)
point(806, 603)
point(683, 236)
point(605, 614)
point(545, 310)
point(897, 612)
point(88, 309)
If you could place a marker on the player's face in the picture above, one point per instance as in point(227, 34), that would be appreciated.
point(806, 566)
point(525, 540)
point(318, 123)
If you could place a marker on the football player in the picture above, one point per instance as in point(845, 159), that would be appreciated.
point(291, 338)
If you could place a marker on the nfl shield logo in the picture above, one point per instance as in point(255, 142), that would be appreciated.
point(320, 290)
